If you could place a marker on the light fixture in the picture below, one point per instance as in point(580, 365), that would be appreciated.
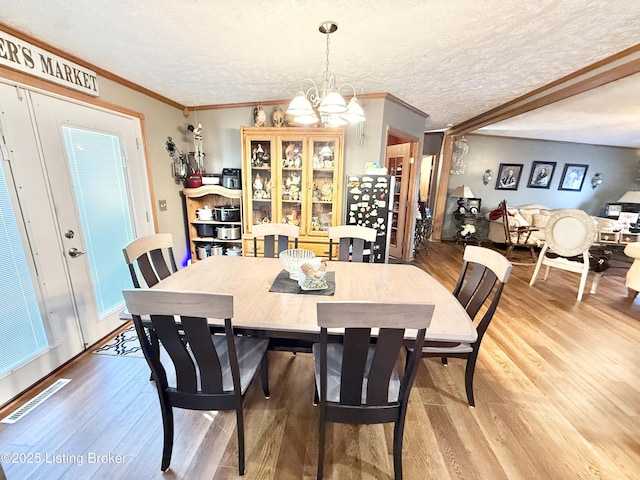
point(461, 192)
point(460, 150)
point(487, 176)
point(596, 180)
point(325, 104)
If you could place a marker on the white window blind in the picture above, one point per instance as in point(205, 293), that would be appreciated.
point(22, 333)
point(99, 182)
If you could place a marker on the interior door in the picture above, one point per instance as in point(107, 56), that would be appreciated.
point(398, 163)
point(91, 157)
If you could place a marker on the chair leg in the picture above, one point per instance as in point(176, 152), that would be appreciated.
point(264, 375)
point(508, 252)
point(398, 433)
point(167, 425)
point(240, 428)
point(316, 398)
point(583, 281)
point(468, 377)
point(445, 361)
point(155, 347)
point(321, 437)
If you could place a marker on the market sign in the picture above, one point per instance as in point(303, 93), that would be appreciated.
point(28, 58)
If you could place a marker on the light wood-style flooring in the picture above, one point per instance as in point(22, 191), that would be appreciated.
point(557, 397)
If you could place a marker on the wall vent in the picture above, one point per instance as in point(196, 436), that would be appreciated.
point(20, 412)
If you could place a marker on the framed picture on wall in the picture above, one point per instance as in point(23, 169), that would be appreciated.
point(509, 176)
point(541, 174)
point(573, 176)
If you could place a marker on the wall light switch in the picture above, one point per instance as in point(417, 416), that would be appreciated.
point(162, 205)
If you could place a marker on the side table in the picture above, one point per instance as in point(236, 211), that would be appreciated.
point(616, 262)
point(467, 227)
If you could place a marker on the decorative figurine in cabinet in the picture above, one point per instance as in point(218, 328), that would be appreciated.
point(299, 183)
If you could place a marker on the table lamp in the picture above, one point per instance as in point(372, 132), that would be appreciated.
point(630, 197)
point(462, 192)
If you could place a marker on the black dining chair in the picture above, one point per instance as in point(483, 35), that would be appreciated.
point(275, 238)
point(150, 259)
point(356, 380)
point(212, 372)
point(480, 284)
point(354, 242)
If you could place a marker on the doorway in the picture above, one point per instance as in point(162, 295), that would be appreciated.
point(400, 154)
point(76, 191)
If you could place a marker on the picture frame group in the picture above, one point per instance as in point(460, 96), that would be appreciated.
point(541, 175)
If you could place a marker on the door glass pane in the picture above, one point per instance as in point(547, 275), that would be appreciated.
point(99, 181)
point(323, 186)
point(22, 333)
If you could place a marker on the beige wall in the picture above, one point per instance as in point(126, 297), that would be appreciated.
point(221, 143)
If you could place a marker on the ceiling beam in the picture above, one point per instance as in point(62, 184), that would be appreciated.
point(610, 69)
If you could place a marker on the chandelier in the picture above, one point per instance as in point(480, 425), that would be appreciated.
point(325, 104)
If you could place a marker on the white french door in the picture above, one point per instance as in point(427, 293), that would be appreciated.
point(77, 192)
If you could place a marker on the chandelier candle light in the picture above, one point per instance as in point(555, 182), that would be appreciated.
point(325, 104)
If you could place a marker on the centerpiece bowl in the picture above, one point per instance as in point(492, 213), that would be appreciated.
point(292, 258)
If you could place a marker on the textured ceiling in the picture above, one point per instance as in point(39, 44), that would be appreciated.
point(452, 59)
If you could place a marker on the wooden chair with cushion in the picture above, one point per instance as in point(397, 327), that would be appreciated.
point(354, 242)
point(480, 284)
point(212, 372)
point(569, 234)
point(517, 235)
point(149, 256)
point(356, 380)
point(275, 236)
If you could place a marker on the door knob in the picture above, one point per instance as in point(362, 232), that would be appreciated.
point(74, 252)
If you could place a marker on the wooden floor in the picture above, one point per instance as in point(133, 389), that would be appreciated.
point(557, 395)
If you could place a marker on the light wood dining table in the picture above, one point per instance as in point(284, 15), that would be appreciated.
point(292, 316)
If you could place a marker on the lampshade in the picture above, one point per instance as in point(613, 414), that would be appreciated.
point(463, 191)
point(300, 106)
point(333, 103)
point(354, 111)
point(630, 197)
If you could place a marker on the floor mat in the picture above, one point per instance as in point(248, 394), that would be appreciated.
point(124, 344)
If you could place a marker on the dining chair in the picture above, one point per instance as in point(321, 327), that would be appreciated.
point(356, 380)
point(482, 278)
point(354, 242)
point(568, 235)
point(149, 255)
point(517, 235)
point(212, 372)
point(274, 235)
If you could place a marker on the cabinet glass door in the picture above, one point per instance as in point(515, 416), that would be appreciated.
point(261, 182)
point(323, 186)
point(292, 161)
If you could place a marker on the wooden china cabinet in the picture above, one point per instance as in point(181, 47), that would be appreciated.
point(293, 176)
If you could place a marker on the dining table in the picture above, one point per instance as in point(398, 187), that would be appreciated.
point(287, 316)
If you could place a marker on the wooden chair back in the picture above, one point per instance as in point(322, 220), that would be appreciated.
point(208, 375)
point(370, 389)
point(353, 242)
point(150, 255)
point(274, 235)
point(482, 278)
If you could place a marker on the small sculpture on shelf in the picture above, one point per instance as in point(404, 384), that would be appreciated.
point(326, 191)
point(259, 116)
point(277, 117)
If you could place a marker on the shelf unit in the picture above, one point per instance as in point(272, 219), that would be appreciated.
point(294, 176)
point(210, 196)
